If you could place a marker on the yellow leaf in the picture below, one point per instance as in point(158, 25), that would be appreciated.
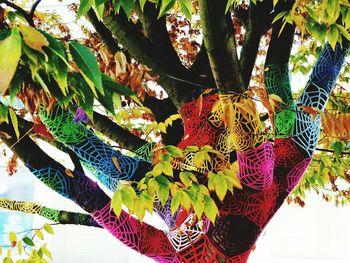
point(14, 121)
point(48, 229)
point(276, 98)
point(116, 163)
point(207, 91)
point(245, 108)
point(20, 247)
point(13, 238)
point(10, 53)
point(229, 117)
point(33, 38)
point(200, 105)
point(69, 172)
point(39, 234)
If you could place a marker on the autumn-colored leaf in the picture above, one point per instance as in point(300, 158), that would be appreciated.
point(116, 163)
point(69, 172)
point(200, 105)
point(33, 38)
point(229, 116)
point(10, 53)
point(312, 111)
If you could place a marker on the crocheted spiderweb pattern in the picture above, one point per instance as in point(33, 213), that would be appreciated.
point(277, 82)
point(189, 232)
point(61, 125)
point(51, 214)
point(96, 155)
point(23, 206)
point(204, 125)
point(256, 167)
point(258, 207)
point(145, 151)
point(268, 173)
point(323, 77)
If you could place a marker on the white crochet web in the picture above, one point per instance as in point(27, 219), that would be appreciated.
point(188, 233)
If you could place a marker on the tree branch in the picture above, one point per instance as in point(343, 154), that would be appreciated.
point(103, 31)
point(154, 28)
point(162, 109)
point(140, 47)
point(88, 195)
point(280, 45)
point(55, 215)
point(219, 40)
point(256, 24)
point(201, 68)
point(124, 138)
point(33, 8)
point(27, 127)
point(20, 10)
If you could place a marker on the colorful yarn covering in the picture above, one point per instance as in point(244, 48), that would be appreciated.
point(62, 217)
point(96, 155)
point(268, 172)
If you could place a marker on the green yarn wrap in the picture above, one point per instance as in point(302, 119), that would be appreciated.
point(277, 82)
point(61, 125)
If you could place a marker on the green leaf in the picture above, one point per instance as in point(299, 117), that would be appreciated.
point(128, 196)
point(279, 16)
point(142, 4)
point(228, 5)
point(14, 122)
point(210, 208)
point(28, 241)
point(220, 187)
point(127, 6)
point(100, 8)
point(175, 202)
point(186, 201)
point(4, 111)
point(84, 7)
point(117, 5)
point(86, 97)
point(57, 61)
point(163, 193)
point(185, 178)
point(7, 260)
point(140, 209)
point(192, 148)
point(48, 229)
point(46, 252)
point(344, 32)
point(87, 64)
point(114, 86)
point(10, 53)
point(165, 7)
point(157, 169)
point(211, 181)
point(39, 234)
point(168, 168)
point(17, 83)
point(117, 202)
point(332, 36)
point(198, 205)
point(174, 151)
point(186, 8)
point(199, 159)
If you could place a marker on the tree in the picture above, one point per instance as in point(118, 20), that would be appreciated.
point(220, 170)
